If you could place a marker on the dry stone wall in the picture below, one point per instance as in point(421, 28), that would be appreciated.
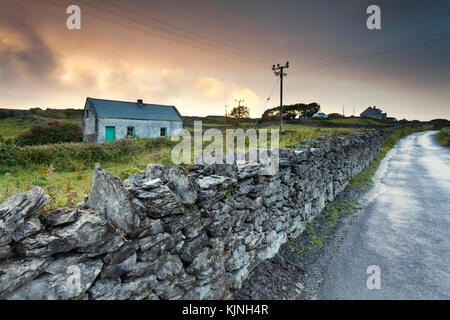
point(171, 233)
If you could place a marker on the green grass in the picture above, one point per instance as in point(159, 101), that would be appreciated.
point(299, 133)
point(323, 225)
point(64, 184)
point(356, 121)
point(12, 127)
point(443, 137)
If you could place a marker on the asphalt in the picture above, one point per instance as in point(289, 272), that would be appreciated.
point(403, 228)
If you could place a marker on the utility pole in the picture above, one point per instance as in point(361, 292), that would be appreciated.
point(226, 111)
point(343, 111)
point(278, 71)
point(239, 101)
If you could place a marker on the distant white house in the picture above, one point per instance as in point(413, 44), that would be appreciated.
point(109, 120)
point(320, 115)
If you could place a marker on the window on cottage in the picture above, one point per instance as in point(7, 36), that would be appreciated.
point(87, 113)
point(130, 132)
point(163, 132)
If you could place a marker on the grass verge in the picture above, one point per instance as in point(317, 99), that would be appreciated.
point(443, 137)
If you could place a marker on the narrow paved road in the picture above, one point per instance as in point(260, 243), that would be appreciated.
point(403, 227)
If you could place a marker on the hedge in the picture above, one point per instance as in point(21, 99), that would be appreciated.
point(51, 133)
point(64, 155)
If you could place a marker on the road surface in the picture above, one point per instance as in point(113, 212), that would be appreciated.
point(403, 228)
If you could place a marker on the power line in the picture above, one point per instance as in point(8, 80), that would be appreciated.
point(161, 36)
point(374, 51)
point(271, 92)
point(163, 29)
point(187, 31)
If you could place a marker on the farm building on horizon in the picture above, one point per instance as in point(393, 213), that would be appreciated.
point(374, 113)
point(109, 120)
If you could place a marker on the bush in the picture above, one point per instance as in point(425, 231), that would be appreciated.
point(53, 132)
point(8, 155)
point(157, 143)
point(334, 116)
point(75, 156)
point(3, 114)
point(443, 137)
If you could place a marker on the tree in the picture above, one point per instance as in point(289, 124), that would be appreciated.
point(291, 112)
point(240, 112)
point(310, 109)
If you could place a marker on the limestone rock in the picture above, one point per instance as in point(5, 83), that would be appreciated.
point(4, 252)
point(155, 246)
point(213, 181)
point(160, 202)
point(105, 289)
point(191, 248)
point(115, 271)
point(89, 229)
point(59, 217)
point(15, 273)
point(30, 226)
point(110, 196)
point(181, 184)
point(272, 249)
point(15, 209)
point(62, 285)
point(137, 289)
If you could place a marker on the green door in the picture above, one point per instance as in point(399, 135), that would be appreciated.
point(110, 134)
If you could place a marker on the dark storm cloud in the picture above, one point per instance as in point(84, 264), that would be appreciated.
point(23, 54)
point(79, 63)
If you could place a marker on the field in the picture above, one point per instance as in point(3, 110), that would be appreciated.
point(356, 121)
point(12, 127)
point(65, 170)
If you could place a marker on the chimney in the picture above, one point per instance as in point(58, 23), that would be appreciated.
point(140, 101)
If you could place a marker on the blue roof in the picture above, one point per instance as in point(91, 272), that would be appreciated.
point(133, 110)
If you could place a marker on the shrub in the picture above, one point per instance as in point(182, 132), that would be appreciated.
point(3, 114)
point(334, 116)
point(77, 156)
point(443, 137)
point(53, 132)
point(157, 143)
point(8, 154)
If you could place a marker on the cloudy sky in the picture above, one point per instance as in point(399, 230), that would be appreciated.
point(201, 55)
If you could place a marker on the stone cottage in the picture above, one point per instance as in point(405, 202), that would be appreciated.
point(373, 113)
point(109, 120)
